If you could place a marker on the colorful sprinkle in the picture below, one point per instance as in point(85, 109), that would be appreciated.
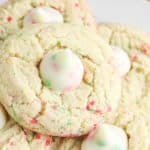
point(109, 109)
point(54, 107)
point(33, 121)
point(92, 103)
point(145, 47)
point(77, 5)
point(47, 142)
point(101, 143)
point(47, 83)
point(9, 19)
point(37, 136)
point(98, 111)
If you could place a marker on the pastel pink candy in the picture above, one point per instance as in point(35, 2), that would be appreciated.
point(120, 61)
point(43, 14)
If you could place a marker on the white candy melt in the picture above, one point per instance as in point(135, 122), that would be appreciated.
point(120, 61)
point(61, 70)
point(3, 117)
point(43, 15)
point(106, 137)
point(2, 2)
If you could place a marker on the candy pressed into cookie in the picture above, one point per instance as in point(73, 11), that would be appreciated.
point(57, 80)
point(22, 13)
point(134, 107)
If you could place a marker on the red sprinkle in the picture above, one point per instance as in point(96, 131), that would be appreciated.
point(88, 107)
point(34, 121)
point(37, 136)
point(9, 18)
point(47, 142)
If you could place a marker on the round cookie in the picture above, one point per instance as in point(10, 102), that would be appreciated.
point(134, 107)
point(19, 14)
point(34, 104)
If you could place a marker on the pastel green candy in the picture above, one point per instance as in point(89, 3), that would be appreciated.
point(106, 137)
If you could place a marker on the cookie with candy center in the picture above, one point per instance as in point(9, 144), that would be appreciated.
point(133, 110)
point(16, 15)
point(59, 83)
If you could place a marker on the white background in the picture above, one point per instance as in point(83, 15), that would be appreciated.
point(131, 12)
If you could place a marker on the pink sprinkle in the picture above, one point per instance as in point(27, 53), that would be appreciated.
point(34, 21)
point(134, 58)
point(37, 136)
point(77, 5)
point(92, 103)
point(41, 4)
point(95, 126)
point(34, 121)
point(55, 67)
point(1, 31)
point(98, 111)
point(109, 109)
point(145, 48)
point(9, 18)
point(12, 143)
point(88, 24)
point(83, 18)
point(54, 107)
point(47, 142)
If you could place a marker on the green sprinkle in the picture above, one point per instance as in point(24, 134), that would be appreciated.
point(15, 115)
point(48, 84)
point(117, 147)
point(101, 143)
point(89, 83)
point(32, 134)
point(69, 123)
point(92, 110)
point(53, 57)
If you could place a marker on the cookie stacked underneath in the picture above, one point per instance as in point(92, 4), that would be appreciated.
point(65, 87)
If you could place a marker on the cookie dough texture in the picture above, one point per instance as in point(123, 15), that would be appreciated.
point(36, 107)
point(14, 137)
point(74, 11)
point(134, 107)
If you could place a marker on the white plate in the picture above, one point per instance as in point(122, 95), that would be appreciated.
point(131, 12)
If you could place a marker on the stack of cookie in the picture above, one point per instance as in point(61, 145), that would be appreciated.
point(69, 84)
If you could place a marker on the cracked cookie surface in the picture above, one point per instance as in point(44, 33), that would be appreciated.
point(36, 107)
point(14, 12)
point(133, 110)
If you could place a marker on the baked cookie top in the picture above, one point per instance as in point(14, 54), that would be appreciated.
point(13, 137)
point(16, 14)
point(134, 107)
point(56, 79)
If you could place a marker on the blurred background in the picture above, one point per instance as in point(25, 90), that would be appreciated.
point(131, 12)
